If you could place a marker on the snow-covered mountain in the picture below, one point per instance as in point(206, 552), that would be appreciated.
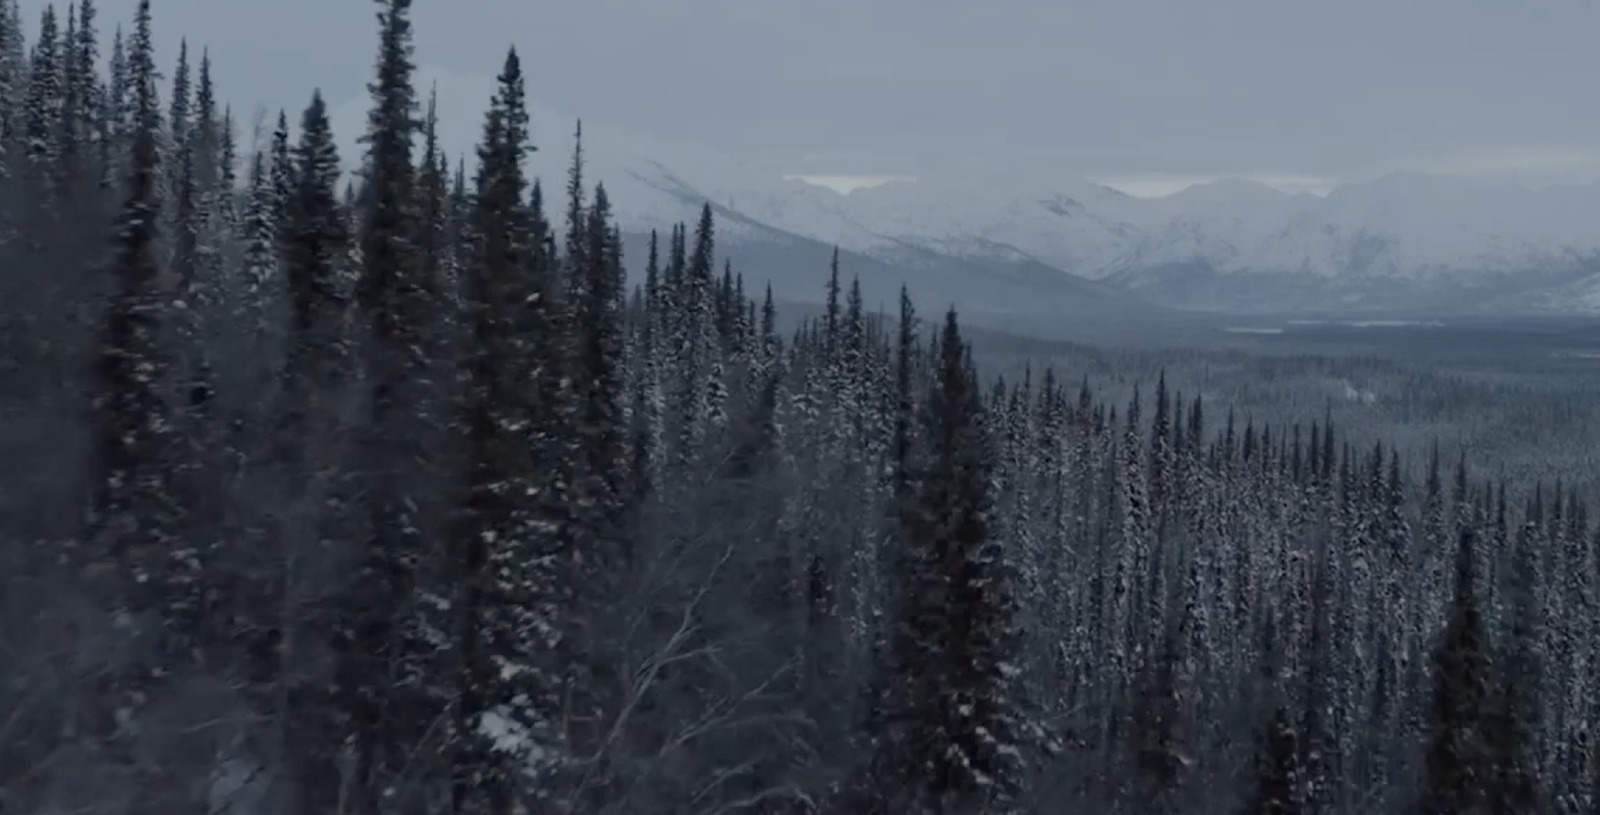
point(653, 186)
point(1401, 243)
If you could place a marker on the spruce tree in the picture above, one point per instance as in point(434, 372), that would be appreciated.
point(43, 107)
point(1458, 768)
point(597, 369)
point(114, 115)
point(1516, 710)
point(13, 85)
point(280, 172)
point(262, 261)
point(178, 123)
point(136, 512)
point(1279, 780)
point(81, 103)
point(314, 243)
point(952, 740)
point(831, 312)
point(507, 595)
point(385, 665)
point(315, 382)
point(693, 336)
point(647, 409)
point(204, 138)
point(577, 225)
point(433, 209)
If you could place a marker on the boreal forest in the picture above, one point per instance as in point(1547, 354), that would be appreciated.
point(368, 484)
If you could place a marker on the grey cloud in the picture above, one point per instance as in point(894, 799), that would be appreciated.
point(1098, 87)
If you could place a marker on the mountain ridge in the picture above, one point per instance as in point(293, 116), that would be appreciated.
point(1400, 242)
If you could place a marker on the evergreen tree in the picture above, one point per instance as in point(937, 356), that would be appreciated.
point(204, 137)
point(262, 262)
point(81, 101)
point(385, 665)
point(693, 335)
point(178, 123)
point(953, 702)
point(501, 543)
point(1459, 773)
point(648, 410)
point(577, 225)
point(136, 512)
point(598, 368)
point(13, 85)
point(43, 106)
point(315, 381)
point(433, 209)
point(315, 238)
point(114, 114)
point(1516, 715)
point(1278, 776)
point(281, 171)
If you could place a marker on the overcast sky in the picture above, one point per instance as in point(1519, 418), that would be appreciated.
point(1136, 91)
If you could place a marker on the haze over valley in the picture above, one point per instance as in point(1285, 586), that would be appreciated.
point(1411, 242)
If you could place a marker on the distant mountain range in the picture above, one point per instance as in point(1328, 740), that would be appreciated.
point(1042, 249)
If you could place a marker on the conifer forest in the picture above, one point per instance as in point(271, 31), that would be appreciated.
point(393, 492)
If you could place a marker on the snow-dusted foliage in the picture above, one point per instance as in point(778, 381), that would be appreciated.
point(385, 499)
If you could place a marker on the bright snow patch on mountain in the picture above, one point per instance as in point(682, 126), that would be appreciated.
point(846, 184)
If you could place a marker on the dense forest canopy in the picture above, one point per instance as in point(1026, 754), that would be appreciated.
point(393, 495)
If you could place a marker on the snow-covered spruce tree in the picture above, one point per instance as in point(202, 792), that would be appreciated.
point(1279, 780)
point(261, 270)
point(220, 252)
point(13, 87)
point(205, 130)
point(175, 170)
point(1459, 770)
point(1433, 568)
point(576, 224)
point(899, 518)
point(388, 642)
point(508, 687)
point(452, 275)
point(183, 227)
point(693, 335)
point(198, 325)
point(313, 246)
point(280, 170)
point(1161, 450)
point(155, 580)
point(46, 94)
point(864, 446)
point(113, 116)
point(80, 102)
point(597, 372)
point(952, 731)
point(1138, 597)
point(1397, 553)
point(178, 122)
point(1516, 710)
point(1157, 712)
point(134, 516)
point(316, 378)
point(433, 208)
point(648, 415)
